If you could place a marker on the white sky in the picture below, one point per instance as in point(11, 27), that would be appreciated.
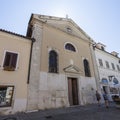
point(100, 19)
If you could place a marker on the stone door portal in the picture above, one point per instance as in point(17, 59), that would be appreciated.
point(73, 91)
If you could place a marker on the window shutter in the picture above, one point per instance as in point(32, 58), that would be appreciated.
point(14, 60)
point(10, 61)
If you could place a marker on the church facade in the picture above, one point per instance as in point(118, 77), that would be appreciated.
point(62, 69)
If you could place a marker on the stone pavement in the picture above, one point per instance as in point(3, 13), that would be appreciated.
point(88, 112)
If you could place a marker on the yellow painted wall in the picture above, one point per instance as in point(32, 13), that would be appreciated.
point(17, 78)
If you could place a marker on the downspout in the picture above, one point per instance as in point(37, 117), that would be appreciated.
point(28, 79)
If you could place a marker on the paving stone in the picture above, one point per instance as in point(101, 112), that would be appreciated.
point(88, 112)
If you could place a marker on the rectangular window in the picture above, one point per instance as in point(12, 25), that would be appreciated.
point(113, 67)
point(107, 64)
point(10, 61)
point(100, 62)
point(118, 67)
point(6, 95)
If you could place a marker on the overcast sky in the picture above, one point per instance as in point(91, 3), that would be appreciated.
point(100, 19)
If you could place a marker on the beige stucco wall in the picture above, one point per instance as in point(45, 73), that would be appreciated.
point(17, 78)
point(56, 39)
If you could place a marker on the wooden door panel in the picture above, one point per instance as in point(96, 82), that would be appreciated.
point(73, 91)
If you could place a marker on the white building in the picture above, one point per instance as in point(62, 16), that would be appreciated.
point(108, 68)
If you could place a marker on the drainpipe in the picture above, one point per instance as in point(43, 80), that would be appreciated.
point(28, 79)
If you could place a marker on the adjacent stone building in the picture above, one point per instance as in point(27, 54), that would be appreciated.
point(14, 71)
point(62, 68)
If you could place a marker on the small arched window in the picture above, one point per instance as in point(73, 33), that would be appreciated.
point(86, 68)
point(53, 63)
point(70, 47)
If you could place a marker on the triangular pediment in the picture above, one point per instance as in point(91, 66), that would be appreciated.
point(72, 69)
point(64, 24)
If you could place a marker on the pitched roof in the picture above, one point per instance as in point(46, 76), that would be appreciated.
point(9, 32)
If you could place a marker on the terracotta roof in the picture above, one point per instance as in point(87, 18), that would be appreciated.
point(9, 32)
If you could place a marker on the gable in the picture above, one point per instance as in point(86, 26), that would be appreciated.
point(66, 25)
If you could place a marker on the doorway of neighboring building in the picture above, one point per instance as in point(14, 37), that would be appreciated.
point(73, 91)
point(105, 89)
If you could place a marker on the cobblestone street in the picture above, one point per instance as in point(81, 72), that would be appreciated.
point(89, 112)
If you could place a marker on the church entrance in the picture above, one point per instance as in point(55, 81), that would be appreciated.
point(73, 91)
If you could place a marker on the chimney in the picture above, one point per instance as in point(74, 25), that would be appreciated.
point(115, 53)
point(100, 46)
